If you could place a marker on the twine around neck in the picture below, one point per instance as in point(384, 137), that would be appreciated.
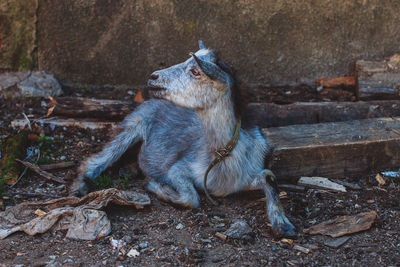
point(220, 154)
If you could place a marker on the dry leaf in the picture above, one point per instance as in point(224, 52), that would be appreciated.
point(380, 179)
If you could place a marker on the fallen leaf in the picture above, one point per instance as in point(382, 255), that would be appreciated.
point(380, 179)
point(139, 97)
point(287, 241)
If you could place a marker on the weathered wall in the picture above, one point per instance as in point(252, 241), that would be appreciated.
point(120, 42)
point(18, 34)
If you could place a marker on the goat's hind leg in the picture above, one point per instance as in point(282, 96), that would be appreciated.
point(281, 226)
point(132, 131)
point(179, 190)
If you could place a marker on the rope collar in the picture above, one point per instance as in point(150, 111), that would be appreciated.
point(220, 154)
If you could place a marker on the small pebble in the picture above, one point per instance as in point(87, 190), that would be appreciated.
point(63, 157)
point(143, 245)
point(130, 92)
point(179, 226)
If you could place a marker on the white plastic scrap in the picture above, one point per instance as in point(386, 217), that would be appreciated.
point(133, 253)
point(392, 174)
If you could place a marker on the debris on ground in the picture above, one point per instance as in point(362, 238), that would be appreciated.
point(337, 242)
point(391, 174)
point(179, 226)
point(81, 217)
point(60, 122)
point(133, 253)
point(344, 225)
point(321, 183)
point(351, 186)
point(117, 243)
point(380, 179)
point(48, 176)
point(301, 249)
point(292, 187)
point(239, 229)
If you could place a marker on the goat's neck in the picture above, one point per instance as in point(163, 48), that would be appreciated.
point(219, 123)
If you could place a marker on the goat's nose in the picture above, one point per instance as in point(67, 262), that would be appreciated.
point(154, 76)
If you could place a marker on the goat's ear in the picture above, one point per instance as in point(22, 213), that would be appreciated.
point(202, 45)
point(214, 72)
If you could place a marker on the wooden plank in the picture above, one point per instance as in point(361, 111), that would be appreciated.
point(335, 149)
point(80, 107)
point(378, 79)
point(262, 114)
point(321, 183)
point(273, 115)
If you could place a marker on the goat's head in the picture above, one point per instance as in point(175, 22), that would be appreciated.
point(196, 83)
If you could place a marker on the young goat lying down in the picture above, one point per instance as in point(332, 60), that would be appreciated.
point(187, 125)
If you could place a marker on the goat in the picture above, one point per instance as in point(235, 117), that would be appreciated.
point(190, 117)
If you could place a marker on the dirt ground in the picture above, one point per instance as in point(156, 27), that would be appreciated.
point(166, 235)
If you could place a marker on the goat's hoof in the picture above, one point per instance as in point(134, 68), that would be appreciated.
point(285, 230)
point(78, 189)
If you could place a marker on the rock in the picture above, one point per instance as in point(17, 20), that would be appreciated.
point(337, 242)
point(239, 229)
point(33, 84)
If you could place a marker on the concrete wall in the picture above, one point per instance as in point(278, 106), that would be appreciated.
point(269, 42)
point(18, 34)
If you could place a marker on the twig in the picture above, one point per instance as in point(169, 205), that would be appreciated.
point(395, 131)
point(39, 195)
point(42, 173)
point(27, 119)
point(56, 166)
point(24, 171)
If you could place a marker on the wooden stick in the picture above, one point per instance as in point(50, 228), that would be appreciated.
point(62, 122)
point(39, 195)
point(55, 166)
point(44, 174)
point(79, 107)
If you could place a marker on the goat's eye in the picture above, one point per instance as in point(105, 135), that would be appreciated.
point(195, 72)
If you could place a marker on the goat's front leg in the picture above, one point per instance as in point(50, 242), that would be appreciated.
point(132, 131)
point(281, 226)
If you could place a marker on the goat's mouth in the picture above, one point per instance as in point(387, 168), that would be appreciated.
point(155, 91)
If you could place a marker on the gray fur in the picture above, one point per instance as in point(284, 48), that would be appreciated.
point(192, 117)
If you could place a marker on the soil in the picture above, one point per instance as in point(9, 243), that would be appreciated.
point(167, 235)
